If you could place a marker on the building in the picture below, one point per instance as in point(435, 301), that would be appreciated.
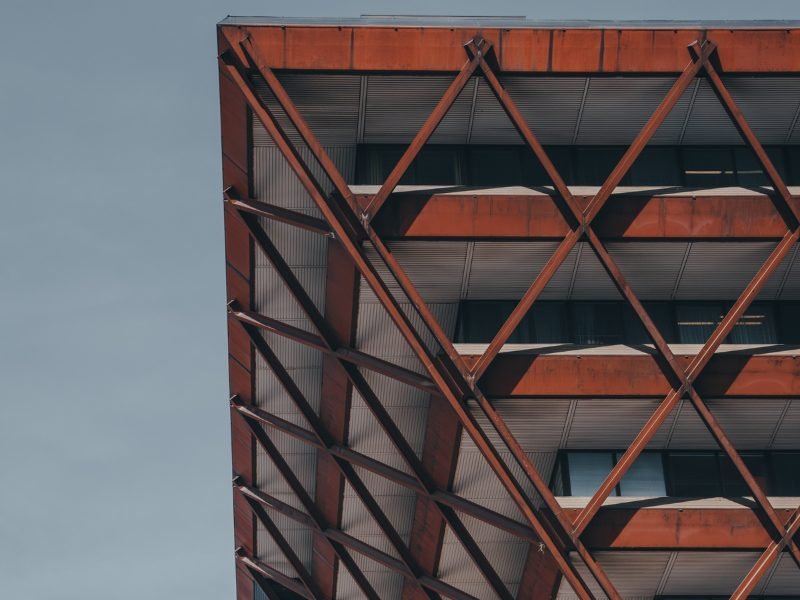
point(514, 307)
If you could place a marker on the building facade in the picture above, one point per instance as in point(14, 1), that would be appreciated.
point(514, 308)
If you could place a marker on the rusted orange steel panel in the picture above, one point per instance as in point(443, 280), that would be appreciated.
point(614, 376)
point(410, 215)
point(522, 50)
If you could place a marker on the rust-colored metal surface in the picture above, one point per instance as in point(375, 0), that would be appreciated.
point(496, 216)
point(561, 50)
point(546, 375)
point(454, 380)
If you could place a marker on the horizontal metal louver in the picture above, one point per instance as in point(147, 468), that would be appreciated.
point(275, 182)
point(651, 268)
point(721, 270)
point(398, 105)
point(329, 103)
point(613, 423)
point(717, 573)
point(549, 105)
point(617, 108)
point(635, 574)
point(505, 270)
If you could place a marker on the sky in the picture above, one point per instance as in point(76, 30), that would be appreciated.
point(114, 425)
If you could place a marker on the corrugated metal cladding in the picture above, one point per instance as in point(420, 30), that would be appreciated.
point(504, 270)
point(643, 575)
point(306, 254)
point(559, 110)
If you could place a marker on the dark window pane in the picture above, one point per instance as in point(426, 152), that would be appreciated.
point(549, 322)
point(661, 315)
point(593, 164)
point(656, 166)
point(785, 479)
point(597, 322)
point(697, 321)
point(750, 172)
point(495, 165)
point(789, 315)
point(478, 322)
point(645, 478)
point(732, 482)
point(693, 474)
point(757, 326)
point(708, 167)
point(437, 165)
point(587, 470)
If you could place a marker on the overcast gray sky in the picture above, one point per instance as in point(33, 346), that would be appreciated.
point(114, 436)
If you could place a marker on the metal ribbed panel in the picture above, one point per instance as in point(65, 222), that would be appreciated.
point(397, 106)
point(366, 435)
point(651, 268)
point(768, 103)
point(791, 286)
point(298, 536)
point(718, 573)
point(300, 458)
point(785, 581)
point(505, 270)
point(788, 433)
point(613, 423)
point(635, 574)
point(708, 121)
point(399, 506)
point(435, 268)
point(299, 248)
point(749, 424)
point(378, 335)
point(274, 300)
point(271, 396)
point(328, 103)
point(550, 106)
point(537, 424)
point(591, 280)
point(456, 567)
point(617, 108)
point(276, 183)
point(720, 270)
point(387, 584)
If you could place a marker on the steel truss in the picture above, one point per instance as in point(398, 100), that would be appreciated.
point(448, 374)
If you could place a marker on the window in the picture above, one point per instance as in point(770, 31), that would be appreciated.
point(612, 322)
point(785, 474)
point(709, 167)
point(645, 477)
point(697, 321)
point(694, 475)
point(756, 326)
point(587, 470)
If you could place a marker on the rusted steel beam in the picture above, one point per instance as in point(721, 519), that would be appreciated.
point(291, 556)
point(768, 558)
point(411, 215)
point(583, 217)
point(324, 439)
point(352, 356)
point(441, 497)
point(427, 129)
point(239, 282)
point(677, 528)
point(750, 139)
point(331, 341)
point(518, 375)
point(341, 312)
point(333, 215)
point(439, 455)
point(258, 568)
point(371, 48)
point(540, 576)
point(278, 213)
